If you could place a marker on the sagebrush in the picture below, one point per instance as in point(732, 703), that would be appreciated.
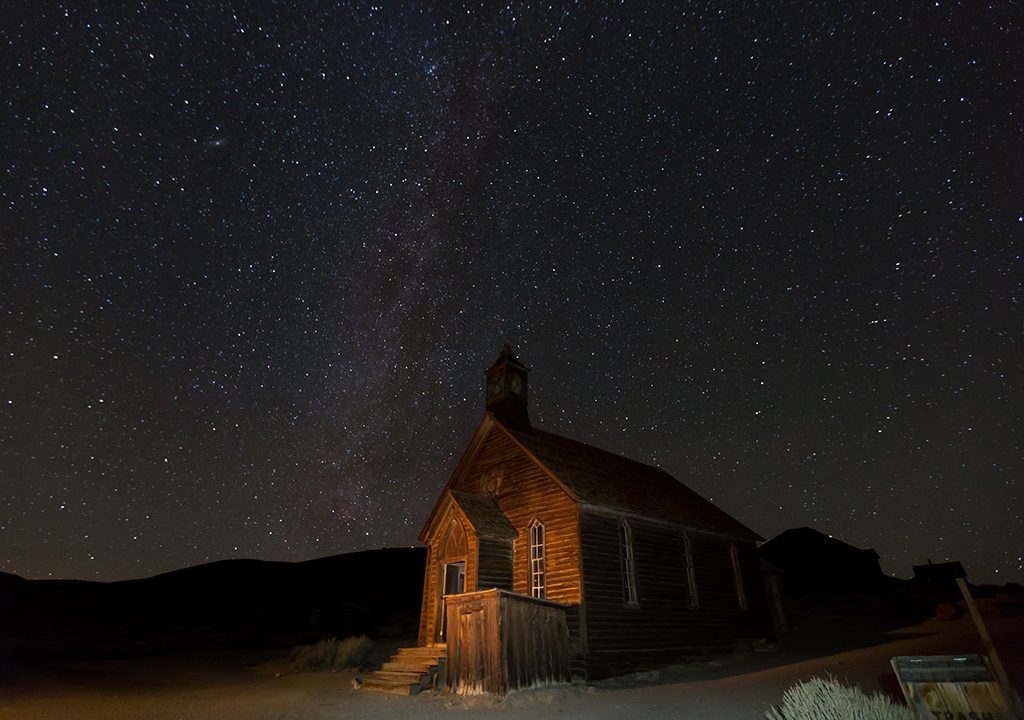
point(829, 699)
point(331, 654)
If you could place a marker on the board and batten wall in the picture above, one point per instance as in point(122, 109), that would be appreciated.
point(663, 627)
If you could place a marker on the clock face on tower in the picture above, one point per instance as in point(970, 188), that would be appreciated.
point(516, 385)
point(494, 388)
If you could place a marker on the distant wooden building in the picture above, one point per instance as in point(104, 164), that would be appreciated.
point(648, 571)
point(938, 580)
point(813, 563)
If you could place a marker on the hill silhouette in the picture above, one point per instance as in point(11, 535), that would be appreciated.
point(230, 603)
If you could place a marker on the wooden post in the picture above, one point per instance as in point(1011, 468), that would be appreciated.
point(986, 640)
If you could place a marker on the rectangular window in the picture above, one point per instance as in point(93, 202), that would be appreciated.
point(691, 571)
point(628, 564)
point(737, 576)
point(537, 560)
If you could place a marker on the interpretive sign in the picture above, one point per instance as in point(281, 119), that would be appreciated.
point(951, 687)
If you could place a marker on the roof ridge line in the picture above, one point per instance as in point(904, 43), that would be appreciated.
point(602, 450)
point(542, 465)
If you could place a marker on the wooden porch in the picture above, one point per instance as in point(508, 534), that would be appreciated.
point(500, 641)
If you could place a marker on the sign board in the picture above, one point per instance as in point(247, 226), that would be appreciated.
point(951, 687)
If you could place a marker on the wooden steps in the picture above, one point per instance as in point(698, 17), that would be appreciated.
point(408, 672)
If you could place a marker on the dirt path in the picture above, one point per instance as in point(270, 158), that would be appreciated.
point(223, 686)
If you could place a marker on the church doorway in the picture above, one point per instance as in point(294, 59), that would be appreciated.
point(453, 573)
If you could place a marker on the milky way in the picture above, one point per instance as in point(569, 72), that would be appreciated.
point(256, 258)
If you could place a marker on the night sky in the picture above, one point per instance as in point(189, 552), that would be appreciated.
point(257, 256)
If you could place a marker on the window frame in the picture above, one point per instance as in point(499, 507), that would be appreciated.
point(537, 567)
point(627, 555)
point(737, 576)
point(691, 571)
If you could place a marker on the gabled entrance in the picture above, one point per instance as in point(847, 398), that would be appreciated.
point(471, 548)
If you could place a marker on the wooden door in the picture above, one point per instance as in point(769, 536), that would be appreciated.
point(473, 637)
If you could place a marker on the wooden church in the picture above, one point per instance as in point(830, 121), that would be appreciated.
point(548, 558)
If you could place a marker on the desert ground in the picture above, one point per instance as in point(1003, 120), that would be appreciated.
point(261, 686)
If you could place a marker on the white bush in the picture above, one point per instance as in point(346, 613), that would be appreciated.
point(828, 699)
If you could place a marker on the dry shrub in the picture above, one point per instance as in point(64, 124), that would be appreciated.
point(331, 654)
point(828, 699)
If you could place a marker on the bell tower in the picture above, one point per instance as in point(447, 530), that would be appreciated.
point(505, 390)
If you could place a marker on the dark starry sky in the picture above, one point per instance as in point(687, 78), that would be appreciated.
point(256, 257)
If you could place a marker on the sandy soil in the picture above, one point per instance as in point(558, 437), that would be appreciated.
point(219, 686)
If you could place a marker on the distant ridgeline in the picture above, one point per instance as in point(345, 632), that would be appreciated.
point(232, 603)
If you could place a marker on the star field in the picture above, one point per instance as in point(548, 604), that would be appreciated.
point(257, 256)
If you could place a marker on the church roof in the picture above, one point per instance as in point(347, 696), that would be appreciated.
point(601, 478)
point(484, 515)
point(810, 545)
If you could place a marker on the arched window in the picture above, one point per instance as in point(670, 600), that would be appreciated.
point(691, 571)
point(737, 576)
point(628, 564)
point(456, 545)
point(537, 581)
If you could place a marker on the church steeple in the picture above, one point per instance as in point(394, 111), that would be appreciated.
point(505, 389)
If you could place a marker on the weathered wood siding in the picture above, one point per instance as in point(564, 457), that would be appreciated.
point(527, 492)
point(499, 641)
point(494, 564)
point(662, 627)
point(427, 606)
point(577, 642)
point(535, 642)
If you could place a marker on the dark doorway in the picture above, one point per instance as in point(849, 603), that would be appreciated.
point(455, 578)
